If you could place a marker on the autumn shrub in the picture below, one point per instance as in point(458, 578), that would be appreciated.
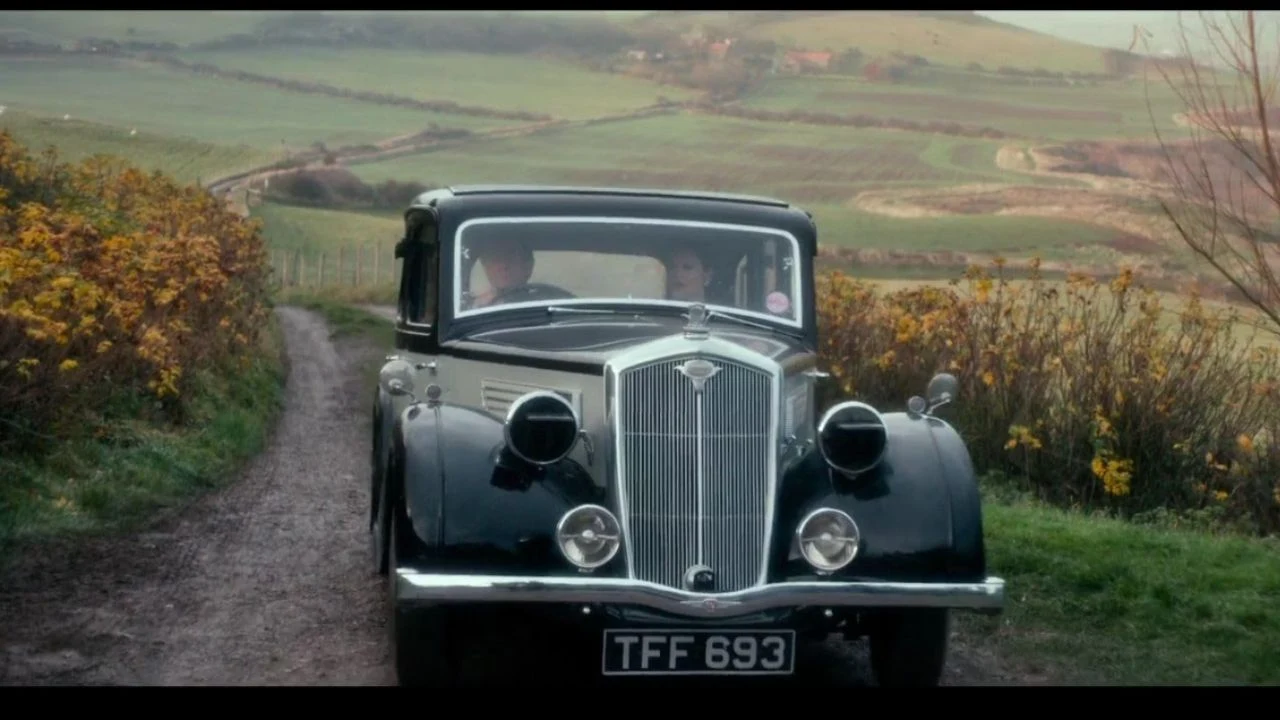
point(114, 284)
point(1092, 391)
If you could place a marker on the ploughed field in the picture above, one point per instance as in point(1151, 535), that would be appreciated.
point(1111, 109)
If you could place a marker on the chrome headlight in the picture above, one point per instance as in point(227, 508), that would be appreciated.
point(588, 536)
point(828, 539)
point(852, 437)
point(541, 427)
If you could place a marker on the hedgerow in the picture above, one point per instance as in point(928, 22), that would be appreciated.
point(1092, 392)
point(115, 285)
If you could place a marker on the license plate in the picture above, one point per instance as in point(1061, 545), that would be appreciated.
point(699, 652)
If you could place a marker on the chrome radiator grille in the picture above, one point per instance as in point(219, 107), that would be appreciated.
point(695, 471)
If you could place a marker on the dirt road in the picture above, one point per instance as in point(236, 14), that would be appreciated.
point(267, 582)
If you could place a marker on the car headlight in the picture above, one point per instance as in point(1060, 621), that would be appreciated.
point(852, 437)
point(588, 536)
point(542, 427)
point(828, 539)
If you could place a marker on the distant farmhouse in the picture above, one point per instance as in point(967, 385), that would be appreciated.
point(798, 61)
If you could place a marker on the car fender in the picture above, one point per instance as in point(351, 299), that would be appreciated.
point(918, 511)
point(472, 504)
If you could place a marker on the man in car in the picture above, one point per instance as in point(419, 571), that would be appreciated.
point(507, 263)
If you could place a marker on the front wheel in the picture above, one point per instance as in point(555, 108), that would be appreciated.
point(379, 532)
point(421, 645)
point(909, 647)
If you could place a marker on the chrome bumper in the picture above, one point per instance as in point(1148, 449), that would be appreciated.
point(414, 587)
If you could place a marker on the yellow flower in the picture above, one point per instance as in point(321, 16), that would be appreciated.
point(68, 365)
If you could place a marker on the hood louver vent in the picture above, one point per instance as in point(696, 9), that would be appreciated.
point(497, 395)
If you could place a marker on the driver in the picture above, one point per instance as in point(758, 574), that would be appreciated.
point(507, 263)
point(687, 276)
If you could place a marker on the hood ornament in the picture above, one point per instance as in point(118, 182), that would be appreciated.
point(697, 327)
point(698, 371)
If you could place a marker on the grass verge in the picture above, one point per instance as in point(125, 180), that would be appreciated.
point(340, 309)
point(1094, 600)
point(122, 481)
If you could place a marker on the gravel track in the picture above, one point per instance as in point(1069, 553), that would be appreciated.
point(266, 582)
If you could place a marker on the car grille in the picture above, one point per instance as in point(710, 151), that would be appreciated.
point(676, 516)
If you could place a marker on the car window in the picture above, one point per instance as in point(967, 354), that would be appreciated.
point(517, 262)
point(588, 273)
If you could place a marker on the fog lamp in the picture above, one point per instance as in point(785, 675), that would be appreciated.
point(588, 536)
point(828, 539)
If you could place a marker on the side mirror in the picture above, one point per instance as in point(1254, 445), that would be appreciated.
point(396, 378)
point(942, 389)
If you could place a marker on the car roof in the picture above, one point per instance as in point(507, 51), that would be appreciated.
point(428, 197)
point(470, 201)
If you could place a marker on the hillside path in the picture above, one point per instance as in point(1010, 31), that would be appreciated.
point(266, 582)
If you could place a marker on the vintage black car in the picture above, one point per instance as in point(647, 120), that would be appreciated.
point(601, 408)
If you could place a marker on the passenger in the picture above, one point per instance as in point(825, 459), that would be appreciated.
point(507, 263)
point(687, 276)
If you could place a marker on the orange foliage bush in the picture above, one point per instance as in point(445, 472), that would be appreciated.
point(1093, 392)
point(114, 282)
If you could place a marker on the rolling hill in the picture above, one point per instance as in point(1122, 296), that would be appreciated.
point(947, 38)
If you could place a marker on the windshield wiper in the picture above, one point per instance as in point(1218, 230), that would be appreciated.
point(558, 309)
point(735, 318)
point(553, 309)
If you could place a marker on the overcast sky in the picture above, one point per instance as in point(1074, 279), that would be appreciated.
point(1114, 28)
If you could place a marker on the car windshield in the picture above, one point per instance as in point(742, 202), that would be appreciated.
point(506, 262)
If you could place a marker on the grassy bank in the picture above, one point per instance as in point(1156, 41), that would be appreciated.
point(130, 471)
point(1094, 600)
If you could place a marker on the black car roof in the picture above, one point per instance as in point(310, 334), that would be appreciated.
point(630, 192)
point(483, 199)
point(431, 197)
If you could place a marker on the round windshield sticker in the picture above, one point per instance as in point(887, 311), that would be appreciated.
point(777, 303)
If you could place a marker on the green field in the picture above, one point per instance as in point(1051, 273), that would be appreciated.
point(299, 228)
point(186, 160)
point(504, 82)
point(186, 105)
point(177, 26)
point(818, 166)
point(807, 163)
point(1109, 110)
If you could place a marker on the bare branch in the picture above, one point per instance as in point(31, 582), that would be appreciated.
point(1225, 180)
